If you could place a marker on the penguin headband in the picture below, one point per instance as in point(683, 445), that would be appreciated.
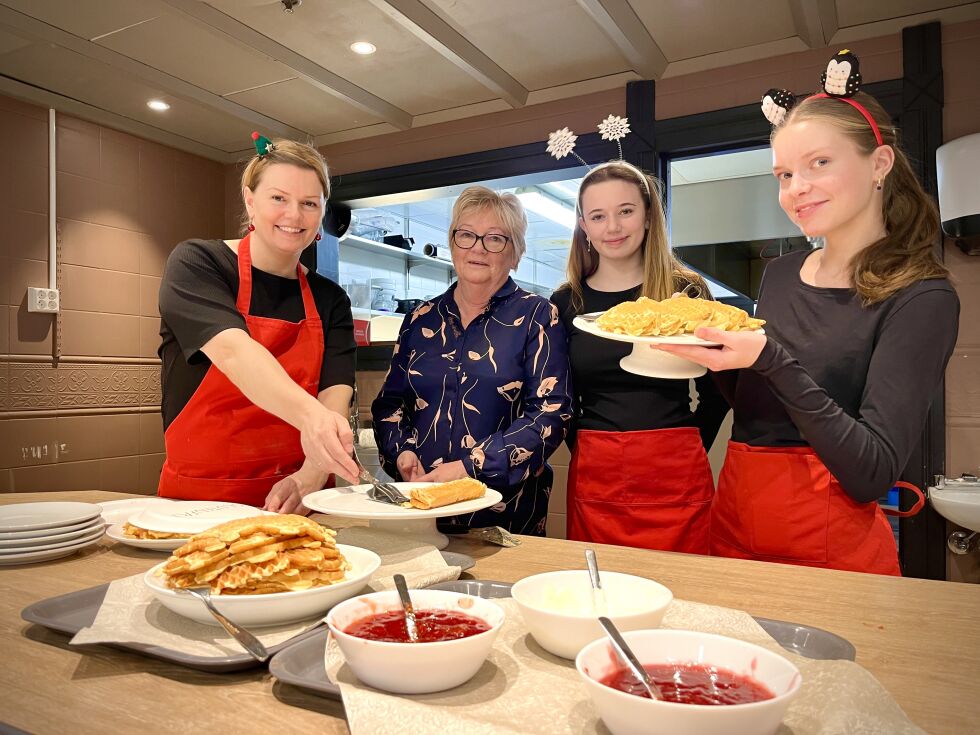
point(562, 143)
point(840, 81)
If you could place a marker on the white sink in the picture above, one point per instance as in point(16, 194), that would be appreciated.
point(958, 501)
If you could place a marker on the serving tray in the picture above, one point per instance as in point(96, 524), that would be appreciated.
point(300, 663)
point(71, 612)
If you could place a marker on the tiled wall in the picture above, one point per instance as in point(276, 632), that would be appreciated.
point(91, 419)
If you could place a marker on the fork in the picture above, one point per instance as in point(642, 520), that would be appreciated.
point(248, 641)
point(382, 492)
point(591, 317)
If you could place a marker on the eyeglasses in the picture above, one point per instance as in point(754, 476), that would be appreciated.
point(492, 242)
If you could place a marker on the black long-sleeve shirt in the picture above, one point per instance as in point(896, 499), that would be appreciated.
point(852, 382)
point(610, 399)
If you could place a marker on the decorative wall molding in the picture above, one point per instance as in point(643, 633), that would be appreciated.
point(39, 386)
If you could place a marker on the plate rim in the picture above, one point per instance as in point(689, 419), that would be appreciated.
point(68, 521)
point(397, 513)
point(589, 327)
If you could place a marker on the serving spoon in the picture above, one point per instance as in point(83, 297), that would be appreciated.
point(248, 641)
point(627, 656)
point(599, 605)
point(410, 625)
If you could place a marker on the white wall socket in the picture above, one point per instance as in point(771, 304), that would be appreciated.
point(47, 300)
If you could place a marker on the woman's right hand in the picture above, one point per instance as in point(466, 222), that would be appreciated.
point(328, 442)
point(409, 466)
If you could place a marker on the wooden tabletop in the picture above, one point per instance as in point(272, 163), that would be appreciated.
point(920, 638)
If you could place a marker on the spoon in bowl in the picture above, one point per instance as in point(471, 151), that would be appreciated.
point(410, 625)
point(599, 606)
point(627, 656)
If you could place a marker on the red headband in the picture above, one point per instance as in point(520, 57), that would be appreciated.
point(857, 106)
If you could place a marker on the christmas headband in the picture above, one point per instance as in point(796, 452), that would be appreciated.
point(840, 81)
point(263, 145)
point(562, 143)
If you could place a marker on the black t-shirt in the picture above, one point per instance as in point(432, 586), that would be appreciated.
point(610, 399)
point(197, 301)
point(852, 382)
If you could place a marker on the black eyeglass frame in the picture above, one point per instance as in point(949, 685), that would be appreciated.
point(481, 238)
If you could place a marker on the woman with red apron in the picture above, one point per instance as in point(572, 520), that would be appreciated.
point(639, 474)
point(255, 394)
point(833, 397)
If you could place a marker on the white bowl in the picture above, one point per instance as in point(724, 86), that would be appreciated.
point(415, 668)
point(628, 714)
point(276, 608)
point(558, 607)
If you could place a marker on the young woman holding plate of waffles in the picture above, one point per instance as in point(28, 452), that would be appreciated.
point(258, 354)
point(830, 402)
point(639, 474)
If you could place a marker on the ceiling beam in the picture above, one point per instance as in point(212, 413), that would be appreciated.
point(435, 32)
point(39, 31)
point(807, 22)
point(620, 23)
point(308, 70)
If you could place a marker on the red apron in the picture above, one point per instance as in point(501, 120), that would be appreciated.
point(222, 446)
point(648, 489)
point(782, 504)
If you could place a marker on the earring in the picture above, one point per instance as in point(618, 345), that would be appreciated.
point(317, 238)
point(251, 227)
point(878, 184)
point(588, 245)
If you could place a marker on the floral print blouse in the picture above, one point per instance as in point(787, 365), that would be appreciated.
point(495, 395)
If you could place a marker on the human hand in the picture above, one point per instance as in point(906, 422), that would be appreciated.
point(409, 466)
point(445, 473)
point(286, 496)
point(328, 442)
point(738, 349)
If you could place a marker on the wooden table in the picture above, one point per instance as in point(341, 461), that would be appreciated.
point(920, 638)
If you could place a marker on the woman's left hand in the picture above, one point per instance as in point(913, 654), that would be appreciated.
point(286, 496)
point(445, 473)
point(738, 349)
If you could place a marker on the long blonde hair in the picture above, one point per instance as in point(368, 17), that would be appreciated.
point(663, 274)
point(285, 151)
point(907, 252)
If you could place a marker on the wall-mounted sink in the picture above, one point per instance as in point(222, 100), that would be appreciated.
point(958, 501)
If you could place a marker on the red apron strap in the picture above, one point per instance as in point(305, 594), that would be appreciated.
point(309, 303)
point(244, 300)
point(919, 504)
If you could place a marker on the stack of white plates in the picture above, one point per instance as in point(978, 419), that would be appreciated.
point(32, 532)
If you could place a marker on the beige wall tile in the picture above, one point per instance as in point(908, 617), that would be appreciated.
point(78, 197)
point(28, 138)
point(96, 289)
point(27, 442)
point(9, 104)
point(5, 286)
point(119, 435)
point(95, 334)
point(149, 296)
point(151, 433)
point(56, 477)
point(149, 377)
point(4, 324)
point(29, 334)
point(28, 188)
point(78, 148)
point(5, 480)
point(149, 472)
point(78, 437)
point(119, 206)
point(155, 248)
point(24, 273)
point(25, 234)
point(561, 456)
point(98, 246)
point(559, 491)
point(963, 383)
point(149, 336)
point(119, 474)
point(556, 527)
point(32, 386)
point(119, 158)
point(962, 446)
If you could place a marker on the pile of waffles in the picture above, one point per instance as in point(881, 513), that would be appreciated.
point(679, 315)
point(260, 555)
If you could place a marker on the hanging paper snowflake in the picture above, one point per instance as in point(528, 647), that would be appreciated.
point(614, 127)
point(561, 142)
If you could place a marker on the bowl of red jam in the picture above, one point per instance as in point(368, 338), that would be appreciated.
point(712, 685)
point(456, 633)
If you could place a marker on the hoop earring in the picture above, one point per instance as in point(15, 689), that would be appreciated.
point(251, 227)
point(879, 184)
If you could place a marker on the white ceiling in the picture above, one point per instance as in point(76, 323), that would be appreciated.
point(228, 67)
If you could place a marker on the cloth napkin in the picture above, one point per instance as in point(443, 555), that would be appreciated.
point(130, 613)
point(522, 689)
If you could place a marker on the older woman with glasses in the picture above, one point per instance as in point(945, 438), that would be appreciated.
point(479, 379)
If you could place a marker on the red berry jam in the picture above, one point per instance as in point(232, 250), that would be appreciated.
point(692, 684)
point(433, 625)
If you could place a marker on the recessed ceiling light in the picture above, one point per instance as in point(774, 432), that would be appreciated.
point(363, 48)
point(158, 105)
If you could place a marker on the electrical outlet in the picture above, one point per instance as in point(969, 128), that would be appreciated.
point(46, 300)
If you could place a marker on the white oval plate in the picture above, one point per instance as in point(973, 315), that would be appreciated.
point(36, 556)
point(590, 327)
point(51, 536)
point(192, 516)
point(276, 608)
point(115, 532)
point(96, 533)
point(353, 502)
point(119, 511)
point(20, 517)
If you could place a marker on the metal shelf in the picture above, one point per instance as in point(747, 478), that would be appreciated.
point(412, 258)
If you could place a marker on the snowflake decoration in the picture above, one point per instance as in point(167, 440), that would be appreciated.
point(614, 128)
point(561, 142)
